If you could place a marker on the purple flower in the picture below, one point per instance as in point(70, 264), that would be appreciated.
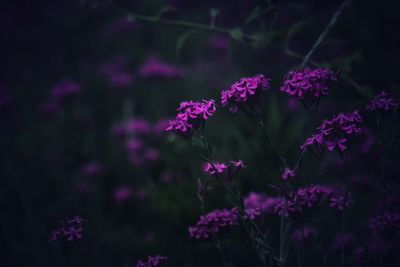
point(154, 68)
point(71, 229)
point(191, 116)
point(122, 194)
point(386, 224)
point(152, 261)
point(288, 173)
point(223, 171)
point(214, 222)
point(116, 74)
point(335, 133)
point(303, 236)
point(130, 127)
point(308, 82)
point(244, 93)
point(92, 169)
point(383, 101)
point(339, 200)
point(342, 240)
point(65, 90)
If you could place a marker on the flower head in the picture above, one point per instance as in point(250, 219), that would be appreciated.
point(308, 82)
point(191, 116)
point(244, 93)
point(303, 235)
point(384, 102)
point(334, 134)
point(152, 261)
point(288, 174)
point(64, 90)
point(155, 68)
point(214, 222)
point(223, 171)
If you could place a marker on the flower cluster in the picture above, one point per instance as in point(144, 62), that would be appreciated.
point(60, 93)
point(224, 171)
point(334, 134)
point(308, 82)
point(71, 229)
point(154, 68)
point(92, 169)
point(136, 134)
point(305, 198)
point(303, 235)
point(244, 93)
point(191, 116)
point(152, 261)
point(116, 74)
point(214, 222)
point(288, 174)
point(383, 224)
point(383, 101)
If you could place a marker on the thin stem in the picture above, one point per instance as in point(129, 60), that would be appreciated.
point(325, 32)
point(342, 242)
point(271, 143)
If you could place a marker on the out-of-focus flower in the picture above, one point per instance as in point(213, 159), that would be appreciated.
point(92, 169)
point(219, 43)
point(245, 93)
point(388, 223)
point(155, 68)
point(152, 261)
point(116, 74)
point(334, 134)
point(304, 235)
point(71, 229)
point(132, 127)
point(308, 82)
point(383, 102)
point(339, 200)
point(214, 222)
point(342, 240)
point(223, 171)
point(122, 194)
point(65, 90)
point(191, 116)
point(288, 174)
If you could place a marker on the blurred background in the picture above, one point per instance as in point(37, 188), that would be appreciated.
point(86, 92)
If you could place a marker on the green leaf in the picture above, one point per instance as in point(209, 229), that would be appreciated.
point(237, 34)
point(213, 15)
point(182, 40)
point(163, 11)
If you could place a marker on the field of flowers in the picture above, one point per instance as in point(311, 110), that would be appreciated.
point(200, 133)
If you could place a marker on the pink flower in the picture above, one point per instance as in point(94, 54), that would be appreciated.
point(288, 173)
point(383, 101)
point(155, 68)
point(224, 171)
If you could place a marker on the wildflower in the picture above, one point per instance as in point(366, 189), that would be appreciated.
point(122, 194)
point(191, 116)
point(342, 240)
point(65, 90)
point(223, 171)
point(308, 82)
point(155, 68)
point(71, 229)
point(386, 223)
point(288, 173)
point(335, 133)
point(303, 235)
point(214, 222)
point(244, 94)
point(384, 102)
point(92, 169)
point(116, 74)
point(152, 261)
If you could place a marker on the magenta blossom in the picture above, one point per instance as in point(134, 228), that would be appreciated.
point(223, 171)
point(334, 134)
point(65, 90)
point(288, 174)
point(71, 229)
point(214, 222)
point(152, 261)
point(244, 94)
point(303, 236)
point(191, 116)
point(383, 101)
point(155, 68)
point(308, 82)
